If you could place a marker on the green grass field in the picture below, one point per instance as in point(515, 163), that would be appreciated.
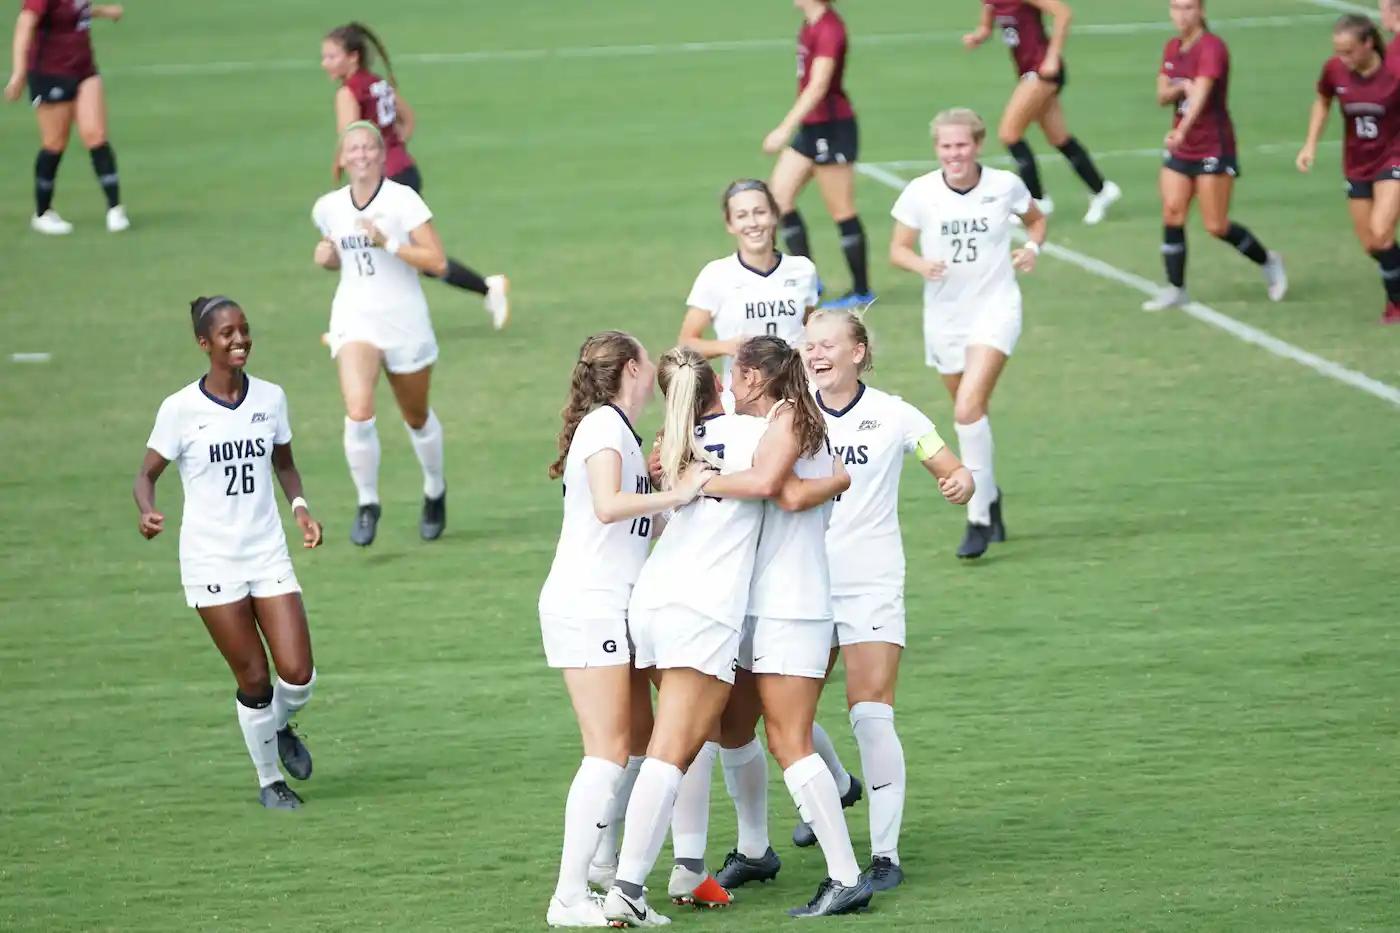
point(1169, 702)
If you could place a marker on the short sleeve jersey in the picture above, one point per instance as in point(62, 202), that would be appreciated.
point(1023, 30)
point(1370, 107)
point(1212, 136)
point(63, 39)
point(379, 104)
point(744, 302)
point(826, 38)
point(230, 531)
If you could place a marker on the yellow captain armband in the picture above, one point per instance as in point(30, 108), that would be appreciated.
point(929, 445)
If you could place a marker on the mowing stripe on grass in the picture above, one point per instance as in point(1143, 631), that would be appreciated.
point(1156, 153)
point(1345, 7)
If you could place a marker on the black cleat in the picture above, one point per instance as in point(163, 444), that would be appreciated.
point(802, 835)
point(884, 874)
point(975, 541)
point(835, 898)
point(740, 869)
point(294, 754)
point(279, 796)
point(998, 526)
point(434, 519)
point(366, 524)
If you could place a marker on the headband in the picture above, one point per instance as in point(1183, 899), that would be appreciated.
point(363, 125)
point(214, 304)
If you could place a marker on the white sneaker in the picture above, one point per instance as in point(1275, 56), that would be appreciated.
point(1047, 206)
point(619, 908)
point(586, 913)
point(50, 223)
point(498, 300)
point(601, 876)
point(1167, 298)
point(1101, 202)
point(116, 220)
point(1275, 276)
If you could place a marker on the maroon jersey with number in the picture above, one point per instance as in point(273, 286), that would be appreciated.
point(380, 106)
point(1023, 31)
point(826, 38)
point(1213, 133)
point(1371, 109)
point(62, 44)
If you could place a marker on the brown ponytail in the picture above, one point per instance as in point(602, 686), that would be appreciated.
point(596, 379)
point(357, 37)
point(785, 378)
point(1362, 29)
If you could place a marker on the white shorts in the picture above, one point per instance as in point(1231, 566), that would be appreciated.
point(947, 335)
point(221, 594)
point(795, 647)
point(572, 642)
point(867, 617)
point(675, 636)
point(400, 356)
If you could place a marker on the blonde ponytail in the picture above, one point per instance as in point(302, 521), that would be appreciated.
point(688, 383)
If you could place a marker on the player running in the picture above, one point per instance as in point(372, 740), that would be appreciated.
point(228, 433)
point(363, 95)
point(1039, 62)
point(53, 54)
point(1201, 161)
point(380, 235)
point(819, 136)
point(953, 228)
point(1369, 98)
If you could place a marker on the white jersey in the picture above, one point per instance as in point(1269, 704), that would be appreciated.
point(705, 557)
point(744, 302)
point(596, 564)
point(971, 232)
point(230, 531)
point(871, 435)
point(380, 297)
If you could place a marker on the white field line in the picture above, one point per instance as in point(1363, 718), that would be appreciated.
point(679, 48)
point(30, 357)
point(1195, 309)
point(1266, 148)
point(1345, 7)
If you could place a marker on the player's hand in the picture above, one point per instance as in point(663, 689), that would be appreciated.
point(957, 488)
point(152, 523)
point(654, 461)
point(1306, 156)
point(934, 269)
point(371, 230)
point(1023, 260)
point(1049, 68)
point(13, 88)
point(693, 480)
point(311, 531)
point(114, 12)
point(325, 253)
point(838, 469)
point(776, 141)
point(973, 39)
point(1173, 140)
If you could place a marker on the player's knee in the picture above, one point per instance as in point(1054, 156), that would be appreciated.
point(1174, 215)
point(1380, 239)
point(360, 409)
point(252, 677)
point(415, 419)
point(92, 138)
point(1216, 227)
point(298, 673)
point(969, 410)
point(1009, 135)
point(787, 744)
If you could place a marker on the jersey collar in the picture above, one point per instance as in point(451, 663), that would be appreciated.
point(760, 272)
point(377, 188)
point(860, 390)
point(220, 402)
point(981, 173)
point(621, 414)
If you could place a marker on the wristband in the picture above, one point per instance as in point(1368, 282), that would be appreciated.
point(1033, 246)
point(300, 503)
point(392, 245)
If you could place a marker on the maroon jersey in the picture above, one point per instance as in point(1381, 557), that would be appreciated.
point(826, 38)
point(1213, 133)
point(1371, 108)
point(61, 41)
point(379, 105)
point(1023, 31)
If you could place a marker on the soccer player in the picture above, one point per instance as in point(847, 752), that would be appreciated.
point(379, 234)
point(610, 514)
point(1039, 62)
point(363, 95)
point(819, 136)
point(53, 53)
point(1369, 98)
point(228, 433)
point(754, 290)
point(1201, 161)
point(952, 228)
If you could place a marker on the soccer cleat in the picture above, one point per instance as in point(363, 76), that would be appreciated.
point(998, 526)
point(434, 519)
point(835, 898)
point(975, 541)
point(585, 913)
point(884, 874)
point(50, 223)
point(1167, 298)
point(278, 796)
point(1392, 313)
point(117, 220)
point(1275, 276)
point(851, 301)
point(1046, 205)
point(802, 834)
point(366, 524)
point(293, 752)
point(602, 876)
point(738, 870)
point(622, 910)
point(498, 300)
point(1101, 202)
point(698, 889)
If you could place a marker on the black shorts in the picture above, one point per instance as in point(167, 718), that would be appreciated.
point(53, 89)
point(1060, 79)
point(411, 177)
point(1365, 189)
point(1215, 165)
point(836, 142)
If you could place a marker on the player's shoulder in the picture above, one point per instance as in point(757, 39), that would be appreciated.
point(1172, 48)
point(359, 82)
point(999, 179)
point(724, 266)
point(332, 199)
point(401, 196)
point(181, 399)
point(606, 421)
point(1333, 70)
point(797, 265)
point(264, 389)
point(1213, 42)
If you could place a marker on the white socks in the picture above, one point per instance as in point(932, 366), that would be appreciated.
point(586, 811)
point(258, 721)
point(746, 777)
point(813, 789)
point(882, 761)
point(822, 743)
point(690, 822)
point(607, 845)
point(975, 442)
point(362, 454)
point(288, 698)
point(427, 444)
point(648, 818)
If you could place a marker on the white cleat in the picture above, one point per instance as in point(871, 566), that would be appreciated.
point(116, 220)
point(1101, 202)
point(50, 223)
point(586, 913)
point(1047, 206)
point(498, 300)
point(623, 910)
point(1275, 276)
point(1168, 298)
point(601, 876)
